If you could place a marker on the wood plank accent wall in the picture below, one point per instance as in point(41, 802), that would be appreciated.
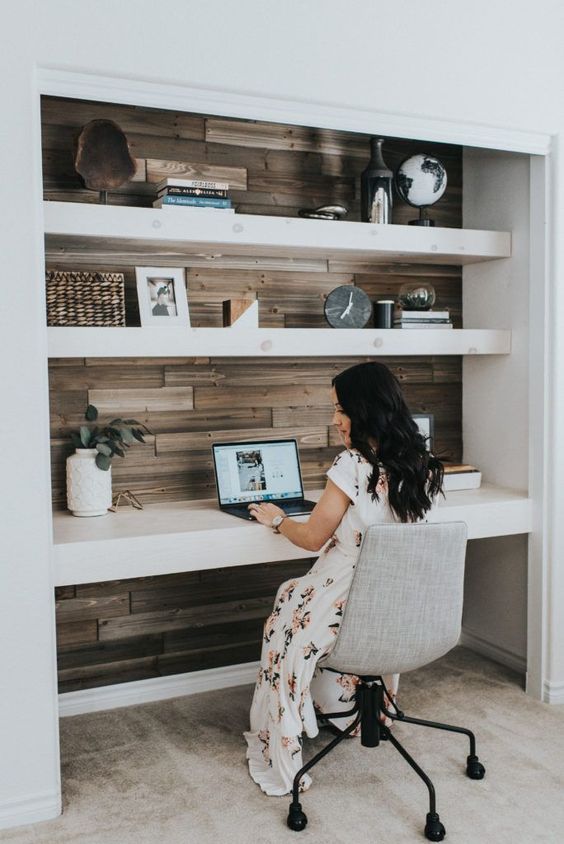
point(277, 168)
point(214, 399)
point(127, 630)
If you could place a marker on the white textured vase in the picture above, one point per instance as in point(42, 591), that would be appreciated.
point(89, 489)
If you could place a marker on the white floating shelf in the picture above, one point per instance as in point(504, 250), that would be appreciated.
point(278, 342)
point(78, 231)
point(195, 535)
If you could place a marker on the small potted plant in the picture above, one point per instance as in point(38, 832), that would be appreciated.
point(89, 473)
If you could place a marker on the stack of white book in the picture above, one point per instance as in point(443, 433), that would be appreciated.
point(461, 476)
point(422, 319)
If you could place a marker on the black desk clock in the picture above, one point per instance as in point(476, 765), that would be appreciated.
point(348, 306)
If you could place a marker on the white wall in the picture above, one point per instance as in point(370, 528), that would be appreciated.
point(474, 62)
point(495, 599)
point(495, 429)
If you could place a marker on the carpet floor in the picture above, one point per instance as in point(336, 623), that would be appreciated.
point(174, 771)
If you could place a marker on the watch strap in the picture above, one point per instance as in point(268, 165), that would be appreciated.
point(276, 527)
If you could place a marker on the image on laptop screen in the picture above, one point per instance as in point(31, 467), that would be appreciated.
point(257, 471)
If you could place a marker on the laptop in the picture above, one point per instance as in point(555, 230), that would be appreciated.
point(259, 471)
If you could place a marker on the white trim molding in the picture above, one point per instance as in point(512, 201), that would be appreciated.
point(156, 688)
point(38, 807)
point(58, 82)
point(476, 643)
point(553, 692)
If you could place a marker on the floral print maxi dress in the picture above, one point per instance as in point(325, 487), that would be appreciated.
point(301, 629)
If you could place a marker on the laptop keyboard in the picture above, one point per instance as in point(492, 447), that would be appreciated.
point(294, 508)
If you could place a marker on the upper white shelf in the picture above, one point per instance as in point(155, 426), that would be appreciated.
point(277, 342)
point(194, 535)
point(81, 230)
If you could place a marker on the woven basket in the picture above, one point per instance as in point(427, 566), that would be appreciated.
point(82, 298)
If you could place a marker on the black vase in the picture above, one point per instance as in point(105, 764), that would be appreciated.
point(376, 187)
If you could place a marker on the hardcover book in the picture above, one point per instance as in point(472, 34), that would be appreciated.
point(461, 476)
point(159, 203)
point(173, 190)
point(406, 326)
point(176, 181)
point(198, 201)
point(398, 321)
point(406, 315)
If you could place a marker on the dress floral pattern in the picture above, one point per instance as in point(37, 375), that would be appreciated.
point(301, 629)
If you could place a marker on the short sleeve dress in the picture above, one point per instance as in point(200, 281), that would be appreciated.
point(301, 629)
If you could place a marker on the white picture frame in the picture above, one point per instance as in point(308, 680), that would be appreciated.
point(162, 297)
point(426, 424)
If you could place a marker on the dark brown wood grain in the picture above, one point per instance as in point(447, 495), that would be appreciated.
point(121, 631)
point(103, 158)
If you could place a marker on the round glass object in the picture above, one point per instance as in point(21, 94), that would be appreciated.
point(417, 296)
point(421, 180)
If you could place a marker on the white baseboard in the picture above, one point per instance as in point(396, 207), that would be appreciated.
point(40, 807)
point(482, 646)
point(553, 692)
point(156, 688)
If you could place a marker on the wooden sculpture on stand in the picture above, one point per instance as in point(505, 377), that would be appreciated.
point(103, 159)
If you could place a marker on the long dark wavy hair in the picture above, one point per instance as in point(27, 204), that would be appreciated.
point(383, 431)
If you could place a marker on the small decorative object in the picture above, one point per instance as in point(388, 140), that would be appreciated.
point(421, 180)
point(324, 212)
point(417, 296)
point(89, 491)
point(241, 313)
point(89, 477)
point(426, 424)
point(384, 313)
point(131, 497)
point(376, 187)
point(162, 296)
point(348, 306)
point(83, 298)
point(103, 159)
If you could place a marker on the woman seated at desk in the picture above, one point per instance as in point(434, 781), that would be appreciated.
point(385, 474)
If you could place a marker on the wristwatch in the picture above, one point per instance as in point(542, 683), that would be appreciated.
point(276, 522)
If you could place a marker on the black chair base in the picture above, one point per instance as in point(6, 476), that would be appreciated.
point(369, 710)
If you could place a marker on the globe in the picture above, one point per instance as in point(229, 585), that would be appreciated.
point(421, 180)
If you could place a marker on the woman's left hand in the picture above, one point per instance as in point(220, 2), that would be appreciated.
point(265, 512)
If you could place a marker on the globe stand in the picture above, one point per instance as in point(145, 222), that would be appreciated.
point(423, 219)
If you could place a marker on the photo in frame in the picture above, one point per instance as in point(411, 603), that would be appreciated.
point(426, 424)
point(161, 292)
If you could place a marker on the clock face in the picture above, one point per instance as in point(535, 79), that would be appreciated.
point(348, 306)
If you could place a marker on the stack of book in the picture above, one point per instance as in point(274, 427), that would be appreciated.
point(461, 476)
point(193, 193)
point(422, 319)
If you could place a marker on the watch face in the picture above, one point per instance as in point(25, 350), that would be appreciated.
point(348, 306)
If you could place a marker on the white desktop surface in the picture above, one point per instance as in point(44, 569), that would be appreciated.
point(193, 535)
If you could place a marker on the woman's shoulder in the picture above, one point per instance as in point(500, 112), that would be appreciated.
point(350, 455)
point(344, 472)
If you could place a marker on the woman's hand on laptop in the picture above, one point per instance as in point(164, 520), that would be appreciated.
point(265, 512)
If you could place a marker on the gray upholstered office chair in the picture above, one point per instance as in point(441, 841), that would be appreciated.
point(404, 610)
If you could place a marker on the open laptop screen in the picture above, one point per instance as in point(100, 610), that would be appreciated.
point(259, 471)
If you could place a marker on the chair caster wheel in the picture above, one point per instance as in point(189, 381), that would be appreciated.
point(474, 768)
point(434, 830)
point(297, 820)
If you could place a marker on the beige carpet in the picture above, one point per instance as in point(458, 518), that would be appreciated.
point(174, 772)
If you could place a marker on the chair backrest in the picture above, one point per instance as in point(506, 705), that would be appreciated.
point(404, 607)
